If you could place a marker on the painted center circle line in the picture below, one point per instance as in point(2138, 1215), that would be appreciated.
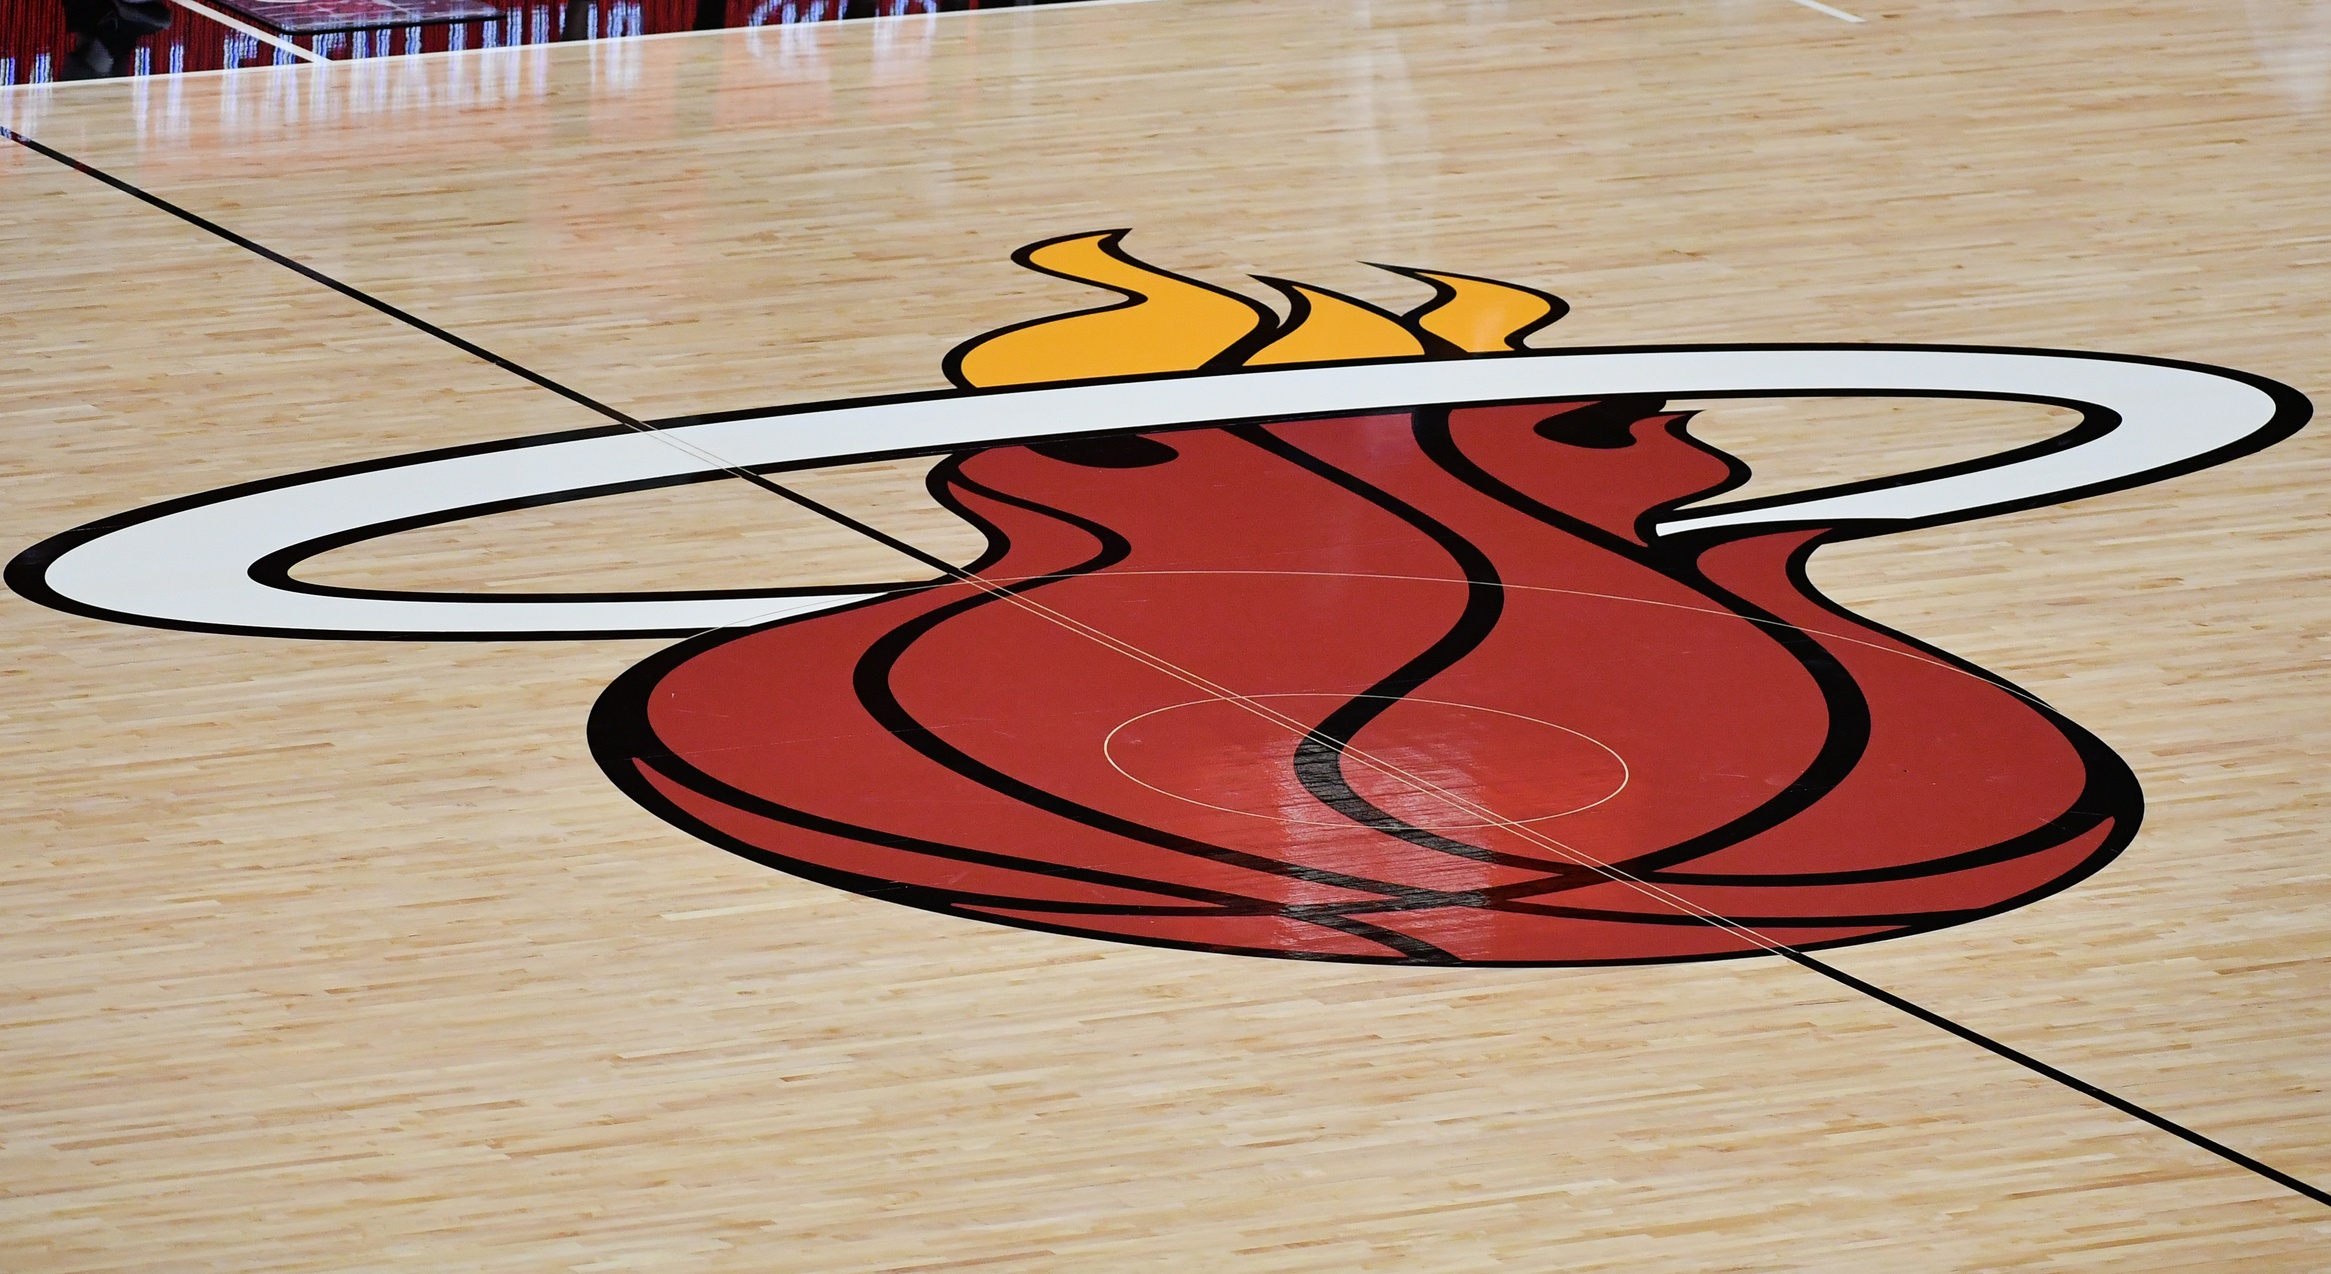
point(1218, 753)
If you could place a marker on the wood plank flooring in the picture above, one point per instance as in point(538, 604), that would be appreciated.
point(332, 955)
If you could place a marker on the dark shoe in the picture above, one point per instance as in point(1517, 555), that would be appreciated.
point(89, 60)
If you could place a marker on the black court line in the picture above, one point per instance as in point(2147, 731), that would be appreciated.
point(1831, 972)
point(471, 348)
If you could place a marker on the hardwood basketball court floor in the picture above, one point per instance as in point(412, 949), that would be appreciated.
point(867, 849)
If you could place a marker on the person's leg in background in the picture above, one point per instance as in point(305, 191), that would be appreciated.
point(104, 31)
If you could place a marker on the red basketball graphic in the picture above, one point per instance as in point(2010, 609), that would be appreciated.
point(1379, 688)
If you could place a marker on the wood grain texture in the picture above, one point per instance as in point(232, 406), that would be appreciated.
point(344, 956)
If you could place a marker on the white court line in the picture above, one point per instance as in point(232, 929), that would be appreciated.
point(255, 33)
point(1815, 5)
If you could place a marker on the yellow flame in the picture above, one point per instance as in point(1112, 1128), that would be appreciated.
point(1482, 315)
point(1330, 328)
point(1166, 323)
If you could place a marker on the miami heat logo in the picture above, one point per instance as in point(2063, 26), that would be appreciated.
point(1345, 635)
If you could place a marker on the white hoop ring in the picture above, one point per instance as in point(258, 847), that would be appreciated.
point(190, 563)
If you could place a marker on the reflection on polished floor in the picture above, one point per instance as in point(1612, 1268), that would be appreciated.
point(35, 38)
point(1452, 636)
